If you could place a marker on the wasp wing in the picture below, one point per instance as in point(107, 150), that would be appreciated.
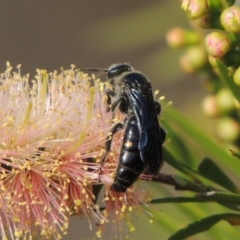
point(150, 142)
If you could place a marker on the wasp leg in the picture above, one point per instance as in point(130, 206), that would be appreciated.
point(110, 93)
point(118, 126)
point(123, 104)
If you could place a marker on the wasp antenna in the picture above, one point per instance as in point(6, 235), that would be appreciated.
point(94, 70)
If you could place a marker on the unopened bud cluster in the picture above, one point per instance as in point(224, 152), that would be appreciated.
point(203, 49)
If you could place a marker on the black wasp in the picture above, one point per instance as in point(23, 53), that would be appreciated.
point(143, 137)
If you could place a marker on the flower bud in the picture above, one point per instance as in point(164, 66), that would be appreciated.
point(198, 8)
point(195, 8)
point(209, 106)
point(236, 76)
point(219, 43)
point(230, 19)
point(225, 101)
point(179, 37)
point(195, 58)
point(228, 129)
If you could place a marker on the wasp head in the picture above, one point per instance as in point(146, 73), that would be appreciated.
point(117, 70)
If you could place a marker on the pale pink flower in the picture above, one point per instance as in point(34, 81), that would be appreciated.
point(49, 131)
point(52, 139)
point(119, 209)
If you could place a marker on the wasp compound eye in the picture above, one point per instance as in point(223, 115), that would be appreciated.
point(118, 69)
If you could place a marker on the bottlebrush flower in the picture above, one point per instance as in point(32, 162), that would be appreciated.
point(119, 207)
point(48, 134)
point(52, 139)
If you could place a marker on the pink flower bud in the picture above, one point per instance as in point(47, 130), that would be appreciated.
point(179, 37)
point(195, 58)
point(228, 129)
point(198, 8)
point(225, 101)
point(210, 107)
point(230, 19)
point(195, 8)
point(218, 44)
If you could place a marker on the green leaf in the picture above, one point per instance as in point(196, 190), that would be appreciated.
point(227, 78)
point(200, 137)
point(177, 200)
point(229, 198)
point(161, 218)
point(210, 170)
point(200, 198)
point(171, 160)
point(205, 224)
point(178, 147)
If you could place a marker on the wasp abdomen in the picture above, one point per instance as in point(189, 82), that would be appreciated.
point(130, 165)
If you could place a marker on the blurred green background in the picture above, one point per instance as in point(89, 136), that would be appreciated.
point(56, 33)
point(53, 34)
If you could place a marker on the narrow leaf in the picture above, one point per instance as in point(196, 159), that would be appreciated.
point(198, 198)
point(229, 198)
point(178, 147)
point(171, 160)
point(204, 224)
point(177, 200)
point(227, 78)
point(210, 170)
point(203, 139)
